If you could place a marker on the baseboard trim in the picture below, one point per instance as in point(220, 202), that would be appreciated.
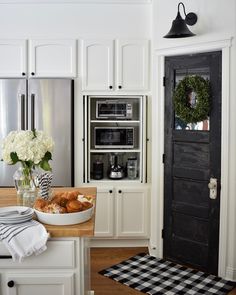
point(98, 243)
point(230, 273)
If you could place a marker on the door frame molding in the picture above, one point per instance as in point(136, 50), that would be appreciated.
point(157, 213)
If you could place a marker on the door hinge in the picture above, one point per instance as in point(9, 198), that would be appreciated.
point(162, 233)
point(163, 158)
point(164, 81)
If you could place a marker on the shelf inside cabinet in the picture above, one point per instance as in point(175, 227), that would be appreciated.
point(115, 121)
point(114, 151)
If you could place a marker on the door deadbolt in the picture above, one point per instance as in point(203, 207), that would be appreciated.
point(212, 185)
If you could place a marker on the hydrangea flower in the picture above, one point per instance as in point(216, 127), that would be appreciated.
point(31, 148)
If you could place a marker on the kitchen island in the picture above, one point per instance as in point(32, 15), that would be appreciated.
point(63, 269)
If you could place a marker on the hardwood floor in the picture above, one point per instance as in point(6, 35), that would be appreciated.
point(104, 257)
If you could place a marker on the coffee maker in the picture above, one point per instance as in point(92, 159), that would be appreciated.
point(116, 170)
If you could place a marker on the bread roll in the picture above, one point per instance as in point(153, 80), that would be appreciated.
point(40, 204)
point(74, 206)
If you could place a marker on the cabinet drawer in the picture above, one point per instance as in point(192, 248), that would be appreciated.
point(59, 254)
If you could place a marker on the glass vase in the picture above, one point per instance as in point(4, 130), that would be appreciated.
point(25, 181)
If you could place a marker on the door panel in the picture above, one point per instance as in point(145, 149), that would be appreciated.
point(193, 156)
point(53, 114)
point(12, 117)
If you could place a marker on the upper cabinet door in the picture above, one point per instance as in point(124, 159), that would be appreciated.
point(132, 65)
point(97, 64)
point(52, 58)
point(12, 58)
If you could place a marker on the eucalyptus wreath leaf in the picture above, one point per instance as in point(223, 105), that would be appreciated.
point(183, 109)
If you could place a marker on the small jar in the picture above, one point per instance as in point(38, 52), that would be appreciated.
point(132, 168)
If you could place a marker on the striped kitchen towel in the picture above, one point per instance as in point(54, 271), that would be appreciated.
point(24, 239)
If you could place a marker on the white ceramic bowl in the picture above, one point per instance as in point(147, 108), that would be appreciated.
point(66, 218)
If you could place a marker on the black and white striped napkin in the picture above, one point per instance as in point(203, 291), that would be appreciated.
point(24, 239)
point(44, 183)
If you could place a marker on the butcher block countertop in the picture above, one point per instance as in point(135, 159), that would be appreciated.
point(86, 229)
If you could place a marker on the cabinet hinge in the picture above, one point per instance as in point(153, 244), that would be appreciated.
point(162, 233)
point(164, 81)
point(163, 158)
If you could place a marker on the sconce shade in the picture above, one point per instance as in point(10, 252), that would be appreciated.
point(179, 29)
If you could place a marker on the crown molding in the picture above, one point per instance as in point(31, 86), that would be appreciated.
point(75, 1)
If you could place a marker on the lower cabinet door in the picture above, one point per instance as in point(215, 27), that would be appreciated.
point(40, 284)
point(132, 218)
point(104, 216)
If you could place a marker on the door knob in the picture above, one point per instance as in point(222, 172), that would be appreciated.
point(212, 185)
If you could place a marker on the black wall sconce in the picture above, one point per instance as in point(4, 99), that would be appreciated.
point(179, 27)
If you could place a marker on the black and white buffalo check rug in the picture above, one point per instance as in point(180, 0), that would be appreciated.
point(150, 275)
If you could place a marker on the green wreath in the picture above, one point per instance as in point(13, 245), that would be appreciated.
point(185, 109)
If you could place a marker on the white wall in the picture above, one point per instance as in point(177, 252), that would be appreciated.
point(75, 20)
point(216, 21)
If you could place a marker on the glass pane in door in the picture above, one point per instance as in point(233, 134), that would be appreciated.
point(180, 124)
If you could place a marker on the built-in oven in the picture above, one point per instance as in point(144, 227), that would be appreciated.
point(114, 137)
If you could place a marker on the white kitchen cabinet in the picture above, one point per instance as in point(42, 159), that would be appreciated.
point(132, 65)
point(132, 212)
point(122, 212)
point(97, 64)
point(42, 58)
point(123, 67)
point(52, 58)
point(63, 269)
point(13, 58)
point(40, 283)
point(104, 225)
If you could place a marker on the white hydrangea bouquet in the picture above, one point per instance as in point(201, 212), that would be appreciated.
point(31, 148)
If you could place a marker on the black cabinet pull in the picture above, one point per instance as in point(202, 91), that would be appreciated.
point(23, 74)
point(110, 87)
point(10, 284)
point(119, 86)
point(110, 191)
point(119, 191)
point(5, 257)
point(32, 73)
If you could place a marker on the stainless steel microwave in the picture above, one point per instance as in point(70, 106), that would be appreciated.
point(114, 109)
point(114, 137)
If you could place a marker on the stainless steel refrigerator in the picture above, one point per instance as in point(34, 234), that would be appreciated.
point(43, 104)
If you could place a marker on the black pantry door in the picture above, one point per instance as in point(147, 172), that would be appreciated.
point(192, 158)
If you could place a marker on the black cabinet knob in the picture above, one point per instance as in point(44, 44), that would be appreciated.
point(10, 284)
point(23, 74)
point(110, 87)
point(119, 191)
point(32, 73)
point(110, 191)
point(119, 86)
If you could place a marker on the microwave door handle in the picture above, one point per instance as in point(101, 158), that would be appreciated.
point(32, 111)
point(22, 111)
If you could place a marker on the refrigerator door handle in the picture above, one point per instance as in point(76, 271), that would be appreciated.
point(22, 106)
point(32, 111)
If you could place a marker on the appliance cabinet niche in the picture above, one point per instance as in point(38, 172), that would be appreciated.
point(115, 65)
point(115, 139)
point(122, 212)
point(45, 58)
